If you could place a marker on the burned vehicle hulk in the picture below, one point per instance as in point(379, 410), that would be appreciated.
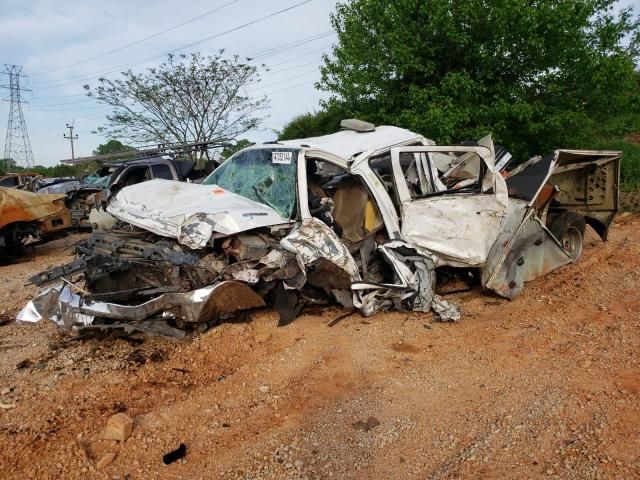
point(366, 217)
point(28, 218)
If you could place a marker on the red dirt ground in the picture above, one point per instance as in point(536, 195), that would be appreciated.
point(547, 385)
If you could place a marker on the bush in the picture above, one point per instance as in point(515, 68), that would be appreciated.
point(630, 165)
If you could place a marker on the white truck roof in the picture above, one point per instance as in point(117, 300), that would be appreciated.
point(348, 143)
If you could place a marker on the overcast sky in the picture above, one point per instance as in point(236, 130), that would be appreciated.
point(57, 42)
point(48, 37)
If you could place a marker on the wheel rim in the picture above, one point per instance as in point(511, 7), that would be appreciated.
point(572, 242)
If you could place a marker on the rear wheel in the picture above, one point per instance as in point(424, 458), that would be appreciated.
point(568, 228)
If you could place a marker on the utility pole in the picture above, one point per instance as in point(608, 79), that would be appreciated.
point(71, 138)
point(17, 146)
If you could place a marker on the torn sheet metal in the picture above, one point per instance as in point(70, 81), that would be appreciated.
point(101, 220)
point(189, 212)
point(62, 187)
point(413, 290)
point(71, 310)
point(313, 241)
point(460, 230)
point(525, 251)
point(55, 303)
point(447, 311)
point(458, 226)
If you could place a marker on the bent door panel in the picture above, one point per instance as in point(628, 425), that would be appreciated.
point(459, 225)
point(457, 228)
point(526, 250)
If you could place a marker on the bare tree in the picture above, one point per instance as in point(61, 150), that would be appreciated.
point(187, 99)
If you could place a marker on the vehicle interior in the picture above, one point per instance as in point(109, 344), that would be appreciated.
point(351, 212)
point(343, 202)
point(10, 182)
point(452, 172)
point(134, 175)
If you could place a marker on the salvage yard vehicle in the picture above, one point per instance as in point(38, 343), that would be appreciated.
point(27, 218)
point(368, 217)
point(96, 188)
point(21, 181)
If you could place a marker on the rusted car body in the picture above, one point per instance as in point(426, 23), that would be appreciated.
point(369, 219)
point(30, 218)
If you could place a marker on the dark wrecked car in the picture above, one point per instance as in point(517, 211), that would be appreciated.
point(21, 181)
point(366, 217)
point(95, 189)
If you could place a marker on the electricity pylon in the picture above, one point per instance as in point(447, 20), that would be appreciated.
point(16, 146)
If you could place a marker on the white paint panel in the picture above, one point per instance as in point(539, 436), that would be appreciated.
point(189, 212)
point(459, 229)
point(348, 143)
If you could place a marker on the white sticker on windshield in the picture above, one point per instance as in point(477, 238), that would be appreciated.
point(281, 157)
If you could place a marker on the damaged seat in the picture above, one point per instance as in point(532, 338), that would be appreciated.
point(354, 211)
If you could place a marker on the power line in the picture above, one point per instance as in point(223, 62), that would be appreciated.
point(45, 140)
point(292, 59)
point(65, 103)
point(269, 94)
point(284, 80)
point(266, 73)
point(287, 46)
point(58, 110)
point(137, 42)
point(261, 54)
point(60, 96)
point(125, 15)
point(87, 119)
point(275, 72)
point(183, 47)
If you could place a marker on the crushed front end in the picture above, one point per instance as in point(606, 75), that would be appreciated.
point(132, 279)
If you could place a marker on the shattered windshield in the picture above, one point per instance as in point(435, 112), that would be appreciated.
point(265, 175)
point(101, 178)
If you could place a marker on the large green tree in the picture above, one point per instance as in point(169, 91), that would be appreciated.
point(536, 73)
point(236, 147)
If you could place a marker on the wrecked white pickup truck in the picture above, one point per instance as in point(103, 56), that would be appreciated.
point(366, 217)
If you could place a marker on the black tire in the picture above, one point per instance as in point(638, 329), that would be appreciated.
point(568, 228)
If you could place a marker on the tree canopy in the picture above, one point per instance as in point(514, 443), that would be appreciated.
point(537, 74)
point(321, 122)
point(231, 149)
point(112, 146)
point(186, 99)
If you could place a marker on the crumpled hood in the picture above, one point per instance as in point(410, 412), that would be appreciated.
point(190, 212)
